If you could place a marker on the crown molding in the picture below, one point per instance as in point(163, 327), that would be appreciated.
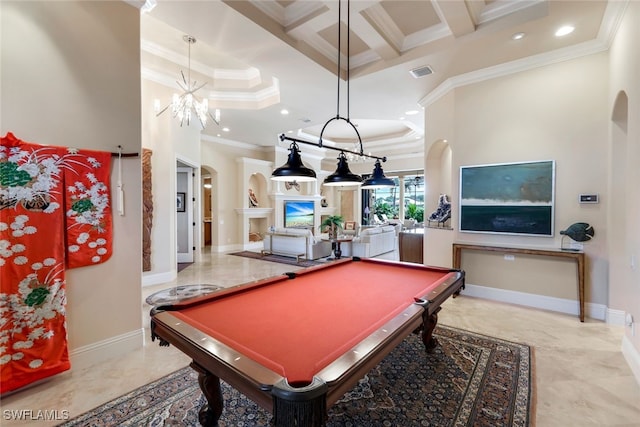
point(513, 67)
point(611, 20)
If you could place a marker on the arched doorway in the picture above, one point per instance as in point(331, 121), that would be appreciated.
point(620, 222)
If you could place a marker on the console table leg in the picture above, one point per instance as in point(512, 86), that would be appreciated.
point(580, 261)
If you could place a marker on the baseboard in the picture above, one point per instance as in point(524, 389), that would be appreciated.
point(89, 355)
point(158, 278)
point(561, 305)
point(228, 248)
point(632, 356)
point(615, 317)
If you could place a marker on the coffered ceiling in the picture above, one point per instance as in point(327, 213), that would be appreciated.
point(261, 56)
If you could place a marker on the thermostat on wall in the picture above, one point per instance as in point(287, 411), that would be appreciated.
point(588, 198)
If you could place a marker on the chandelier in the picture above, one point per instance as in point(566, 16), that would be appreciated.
point(185, 106)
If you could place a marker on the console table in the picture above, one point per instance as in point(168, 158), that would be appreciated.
point(578, 256)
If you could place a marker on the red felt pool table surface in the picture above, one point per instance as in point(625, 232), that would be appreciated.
point(297, 327)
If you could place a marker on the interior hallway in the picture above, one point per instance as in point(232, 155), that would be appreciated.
point(581, 376)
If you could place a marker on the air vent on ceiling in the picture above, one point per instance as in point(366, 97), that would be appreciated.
point(421, 71)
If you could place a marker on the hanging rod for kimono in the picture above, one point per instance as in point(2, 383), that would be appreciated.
point(121, 154)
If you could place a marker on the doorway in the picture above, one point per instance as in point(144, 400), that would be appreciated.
point(207, 208)
point(185, 202)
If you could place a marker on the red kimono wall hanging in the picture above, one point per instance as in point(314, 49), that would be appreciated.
point(55, 213)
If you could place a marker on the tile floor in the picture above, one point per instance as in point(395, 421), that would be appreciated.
point(581, 376)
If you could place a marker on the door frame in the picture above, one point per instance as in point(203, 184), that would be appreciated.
point(192, 210)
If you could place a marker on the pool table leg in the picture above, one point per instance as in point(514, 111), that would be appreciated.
point(210, 385)
point(429, 322)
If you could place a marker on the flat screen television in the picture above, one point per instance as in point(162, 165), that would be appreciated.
point(299, 213)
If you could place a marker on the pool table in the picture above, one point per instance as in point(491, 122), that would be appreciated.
point(296, 343)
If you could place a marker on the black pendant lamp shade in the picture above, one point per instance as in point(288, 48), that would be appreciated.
point(342, 175)
point(377, 179)
point(294, 169)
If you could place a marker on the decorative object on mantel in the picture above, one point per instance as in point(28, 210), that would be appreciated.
point(578, 232)
point(342, 176)
point(292, 184)
point(442, 213)
point(183, 106)
point(253, 200)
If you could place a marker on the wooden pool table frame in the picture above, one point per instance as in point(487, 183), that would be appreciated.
point(214, 360)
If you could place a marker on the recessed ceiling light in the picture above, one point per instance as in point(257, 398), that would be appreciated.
point(225, 129)
point(401, 118)
point(411, 112)
point(564, 30)
point(517, 36)
point(284, 111)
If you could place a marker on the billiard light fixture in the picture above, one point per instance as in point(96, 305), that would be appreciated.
point(295, 169)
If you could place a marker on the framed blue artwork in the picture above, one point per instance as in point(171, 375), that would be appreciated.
point(509, 198)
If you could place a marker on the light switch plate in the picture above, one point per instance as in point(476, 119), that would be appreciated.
point(588, 198)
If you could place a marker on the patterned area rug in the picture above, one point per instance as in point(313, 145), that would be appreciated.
point(469, 380)
point(277, 258)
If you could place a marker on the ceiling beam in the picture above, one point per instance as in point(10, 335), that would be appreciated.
point(456, 15)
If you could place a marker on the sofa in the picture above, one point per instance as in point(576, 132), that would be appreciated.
point(373, 241)
point(295, 242)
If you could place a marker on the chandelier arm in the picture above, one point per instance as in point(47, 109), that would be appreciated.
point(197, 88)
point(283, 137)
point(185, 88)
point(163, 110)
point(212, 118)
point(201, 122)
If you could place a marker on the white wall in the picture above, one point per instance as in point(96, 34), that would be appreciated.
point(557, 112)
point(170, 143)
point(624, 66)
point(56, 90)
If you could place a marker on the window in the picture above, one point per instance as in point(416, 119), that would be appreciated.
point(405, 200)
